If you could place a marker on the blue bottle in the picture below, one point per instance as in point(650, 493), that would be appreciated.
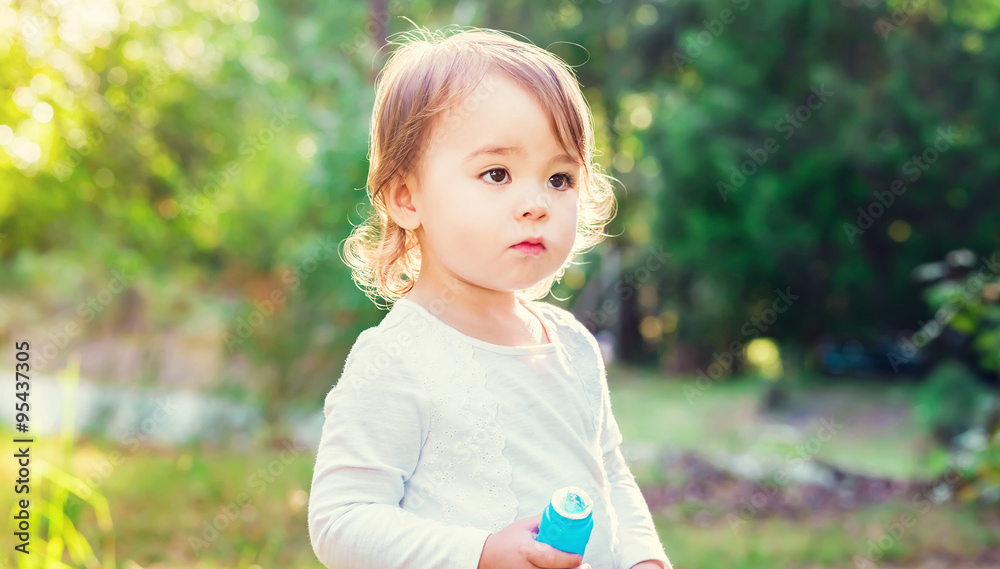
point(567, 521)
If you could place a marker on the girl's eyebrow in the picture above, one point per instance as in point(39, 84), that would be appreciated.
point(517, 151)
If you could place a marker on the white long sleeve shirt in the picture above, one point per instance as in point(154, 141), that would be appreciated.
point(433, 440)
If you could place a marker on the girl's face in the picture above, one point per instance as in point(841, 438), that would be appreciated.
point(494, 175)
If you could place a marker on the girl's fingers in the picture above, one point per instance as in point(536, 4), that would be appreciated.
point(548, 557)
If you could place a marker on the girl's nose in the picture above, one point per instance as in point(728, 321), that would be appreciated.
point(535, 207)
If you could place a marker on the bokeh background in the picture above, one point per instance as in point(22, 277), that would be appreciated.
point(799, 308)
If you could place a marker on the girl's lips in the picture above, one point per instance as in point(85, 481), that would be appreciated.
point(529, 248)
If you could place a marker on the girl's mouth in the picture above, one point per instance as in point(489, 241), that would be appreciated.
point(529, 248)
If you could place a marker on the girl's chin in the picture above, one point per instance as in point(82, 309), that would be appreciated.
point(525, 284)
point(507, 285)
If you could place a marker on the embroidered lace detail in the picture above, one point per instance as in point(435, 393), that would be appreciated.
point(463, 431)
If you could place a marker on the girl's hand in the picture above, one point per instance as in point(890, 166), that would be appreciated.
point(515, 547)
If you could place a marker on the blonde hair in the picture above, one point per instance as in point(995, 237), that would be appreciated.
point(430, 74)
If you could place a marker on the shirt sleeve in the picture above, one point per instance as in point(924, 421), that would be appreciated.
point(376, 420)
point(637, 536)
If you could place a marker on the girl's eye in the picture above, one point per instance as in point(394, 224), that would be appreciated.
point(500, 175)
point(496, 175)
point(562, 181)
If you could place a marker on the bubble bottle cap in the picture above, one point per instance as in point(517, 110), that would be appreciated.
point(572, 502)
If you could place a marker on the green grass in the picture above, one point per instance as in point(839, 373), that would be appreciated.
point(162, 499)
point(878, 436)
point(694, 537)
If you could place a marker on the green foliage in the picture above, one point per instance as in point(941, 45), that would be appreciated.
point(955, 407)
point(185, 140)
point(972, 309)
point(983, 448)
point(948, 401)
point(788, 223)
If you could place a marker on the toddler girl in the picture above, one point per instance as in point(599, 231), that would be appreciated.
point(459, 415)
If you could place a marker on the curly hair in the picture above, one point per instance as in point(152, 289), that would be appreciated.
point(429, 74)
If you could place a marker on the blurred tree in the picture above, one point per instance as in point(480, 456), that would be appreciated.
point(806, 146)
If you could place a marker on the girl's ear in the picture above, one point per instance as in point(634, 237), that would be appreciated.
point(399, 203)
